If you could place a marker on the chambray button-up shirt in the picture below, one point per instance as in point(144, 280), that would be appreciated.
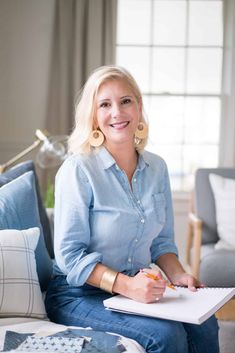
point(100, 218)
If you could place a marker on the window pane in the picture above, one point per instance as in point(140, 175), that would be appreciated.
point(133, 22)
point(172, 155)
point(161, 134)
point(136, 60)
point(168, 70)
point(167, 110)
point(204, 70)
point(205, 23)
point(202, 113)
point(196, 156)
point(146, 104)
point(175, 54)
point(165, 120)
point(169, 22)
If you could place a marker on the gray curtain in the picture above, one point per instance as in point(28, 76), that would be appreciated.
point(84, 34)
point(83, 38)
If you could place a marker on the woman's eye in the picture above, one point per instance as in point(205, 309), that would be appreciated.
point(126, 101)
point(104, 105)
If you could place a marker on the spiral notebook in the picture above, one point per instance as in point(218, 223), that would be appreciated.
point(180, 305)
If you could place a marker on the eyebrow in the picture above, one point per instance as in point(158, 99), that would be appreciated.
point(108, 99)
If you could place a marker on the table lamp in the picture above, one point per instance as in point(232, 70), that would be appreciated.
point(52, 152)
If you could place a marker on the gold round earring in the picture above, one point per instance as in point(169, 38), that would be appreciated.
point(96, 138)
point(141, 131)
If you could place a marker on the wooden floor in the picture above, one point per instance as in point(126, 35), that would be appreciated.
point(227, 312)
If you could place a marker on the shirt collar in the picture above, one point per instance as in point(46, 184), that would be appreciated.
point(142, 162)
point(108, 161)
point(105, 157)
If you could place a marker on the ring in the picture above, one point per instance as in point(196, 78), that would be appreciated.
point(157, 299)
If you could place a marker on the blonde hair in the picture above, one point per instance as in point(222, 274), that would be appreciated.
point(85, 113)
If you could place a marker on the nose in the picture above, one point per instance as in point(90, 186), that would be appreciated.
point(116, 110)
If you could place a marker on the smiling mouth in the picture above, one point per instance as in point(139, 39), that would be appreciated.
point(120, 125)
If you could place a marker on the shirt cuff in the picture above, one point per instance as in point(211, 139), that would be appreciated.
point(82, 270)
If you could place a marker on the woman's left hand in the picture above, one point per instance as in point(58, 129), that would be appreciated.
point(187, 280)
point(170, 264)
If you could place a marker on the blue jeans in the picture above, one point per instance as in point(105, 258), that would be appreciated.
point(83, 306)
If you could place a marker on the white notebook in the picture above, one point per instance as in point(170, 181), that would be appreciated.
point(183, 305)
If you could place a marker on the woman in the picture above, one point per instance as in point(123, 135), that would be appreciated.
point(113, 217)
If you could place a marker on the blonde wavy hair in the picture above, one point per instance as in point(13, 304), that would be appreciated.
point(85, 113)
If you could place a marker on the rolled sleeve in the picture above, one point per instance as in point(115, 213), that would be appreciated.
point(73, 198)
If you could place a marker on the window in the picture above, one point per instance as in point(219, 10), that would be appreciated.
point(174, 49)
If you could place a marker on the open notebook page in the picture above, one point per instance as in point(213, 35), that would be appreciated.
point(183, 305)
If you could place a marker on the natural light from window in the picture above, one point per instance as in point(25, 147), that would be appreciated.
point(174, 50)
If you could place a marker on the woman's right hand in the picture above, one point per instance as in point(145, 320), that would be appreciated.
point(144, 289)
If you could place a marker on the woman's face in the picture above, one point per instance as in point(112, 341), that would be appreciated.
point(118, 112)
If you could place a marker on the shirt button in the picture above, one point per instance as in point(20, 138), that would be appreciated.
point(136, 240)
point(129, 259)
point(134, 180)
point(142, 220)
point(138, 201)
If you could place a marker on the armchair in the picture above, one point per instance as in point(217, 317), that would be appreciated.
point(214, 267)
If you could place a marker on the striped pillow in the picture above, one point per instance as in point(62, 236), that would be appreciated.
point(20, 293)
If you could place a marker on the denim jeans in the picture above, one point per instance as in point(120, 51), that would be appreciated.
point(83, 306)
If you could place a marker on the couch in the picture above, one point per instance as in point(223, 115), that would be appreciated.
point(26, 260)
point(211, 244)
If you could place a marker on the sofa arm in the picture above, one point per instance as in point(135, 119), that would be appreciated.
point(194, 241)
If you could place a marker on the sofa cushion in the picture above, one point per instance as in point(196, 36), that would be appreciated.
point(204, 201)
point(19, 210)
point(14, 173)
point(224, 194)
point(217, 268)
point(20, 293)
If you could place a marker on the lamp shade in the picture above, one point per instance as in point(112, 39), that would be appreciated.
point(52, 152)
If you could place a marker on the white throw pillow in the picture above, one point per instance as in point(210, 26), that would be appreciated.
point(224, 193)
point(20, 293)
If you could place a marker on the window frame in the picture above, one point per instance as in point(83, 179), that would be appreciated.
point(184, 94)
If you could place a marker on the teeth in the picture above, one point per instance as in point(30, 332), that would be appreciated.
point(120, 125)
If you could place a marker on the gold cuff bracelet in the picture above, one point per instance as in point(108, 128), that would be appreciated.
point(108, 279)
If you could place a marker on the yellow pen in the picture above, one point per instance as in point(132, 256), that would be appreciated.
point(156, 278)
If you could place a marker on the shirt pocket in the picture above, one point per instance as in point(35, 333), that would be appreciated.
point(159, 202)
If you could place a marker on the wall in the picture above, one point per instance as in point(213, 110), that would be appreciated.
point(24, 68)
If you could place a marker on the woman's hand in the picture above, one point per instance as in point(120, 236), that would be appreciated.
point(187, 280)
point(144, 289)
point(173, 269)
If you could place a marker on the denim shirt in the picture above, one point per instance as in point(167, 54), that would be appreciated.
point(100, 218)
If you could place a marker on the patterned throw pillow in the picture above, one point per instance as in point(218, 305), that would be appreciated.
point(20, 293)
point(18, 170)
point(19, 210)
